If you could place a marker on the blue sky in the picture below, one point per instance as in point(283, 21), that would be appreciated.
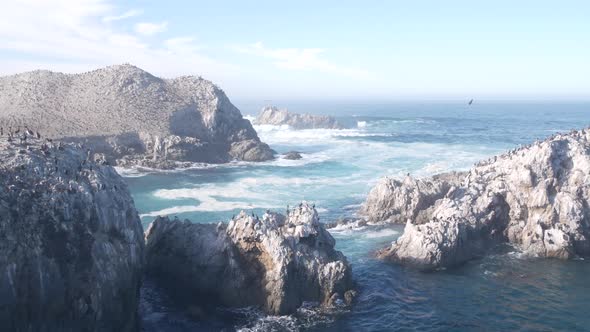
point(385, 50)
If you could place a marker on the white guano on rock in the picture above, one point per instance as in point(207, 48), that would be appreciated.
point(535, 197)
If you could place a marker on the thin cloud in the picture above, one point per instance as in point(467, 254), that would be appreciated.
point(305, 59)
point(71, 36)
point(125, 15)
point(148, 29)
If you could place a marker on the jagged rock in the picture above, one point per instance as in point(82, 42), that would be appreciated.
point(276, 262)
point(132, 116)
point(292, 155)
point(396, 201)
point(71, 242)
point(535, 197)
point(271, 115)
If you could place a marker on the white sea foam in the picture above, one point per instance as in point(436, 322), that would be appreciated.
point(245, 193)
point(171, 210)
point(361, 124)
point(250, 118)
point(130, 172)
point(386, 232)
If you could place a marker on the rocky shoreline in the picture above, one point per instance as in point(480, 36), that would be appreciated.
point(130, 117)
point(535, 197)
point(73, 252)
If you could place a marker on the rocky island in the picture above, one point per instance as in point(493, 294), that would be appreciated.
point(71, 243)
point(131, 117)
point(272, 115)
point(275, 262)
point(535, 197)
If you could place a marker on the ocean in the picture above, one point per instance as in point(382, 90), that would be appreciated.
point(503, 291)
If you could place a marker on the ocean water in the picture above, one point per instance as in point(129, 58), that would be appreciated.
point(503, 291)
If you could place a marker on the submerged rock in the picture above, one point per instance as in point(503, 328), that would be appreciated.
point(71, 244)
point(131, 116)
point(271, 115)
point(275, 262)
point(536, 197)
point(292, 155)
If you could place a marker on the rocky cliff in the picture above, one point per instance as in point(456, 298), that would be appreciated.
point(131, 116)
point(271, 115)
point(275, 262)
point(536, 197)
point(392, 200)
point(71, 243)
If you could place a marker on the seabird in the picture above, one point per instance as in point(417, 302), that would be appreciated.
point(470, 102)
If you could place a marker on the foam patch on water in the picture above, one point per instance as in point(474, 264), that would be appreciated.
point(380, 233)
point(284, 135)
point(305, 318)
point(130, 172)
point(171, 210)
point(245, 193)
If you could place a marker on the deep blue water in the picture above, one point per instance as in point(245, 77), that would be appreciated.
point(498, 293)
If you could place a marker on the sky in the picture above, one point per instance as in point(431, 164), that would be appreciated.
point(265, 50)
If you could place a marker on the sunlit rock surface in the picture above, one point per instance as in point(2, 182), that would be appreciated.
point(274, 262)
point(272, 115)
point(131, 116)
point(535, 197)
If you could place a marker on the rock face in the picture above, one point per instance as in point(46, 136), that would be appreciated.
point(132, 117)
point(276, 262)
point(396, 201)
point(271, 115)
point(71, 244)
point(536, 197)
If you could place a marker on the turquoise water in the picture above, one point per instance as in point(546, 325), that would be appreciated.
point(502, 292)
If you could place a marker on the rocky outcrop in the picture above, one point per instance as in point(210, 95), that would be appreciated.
point(131, 116)
point(536, 197)
point(271, 115)
point(392, 200)
point(275, 262)
point(292, 155)
point(71, 243)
